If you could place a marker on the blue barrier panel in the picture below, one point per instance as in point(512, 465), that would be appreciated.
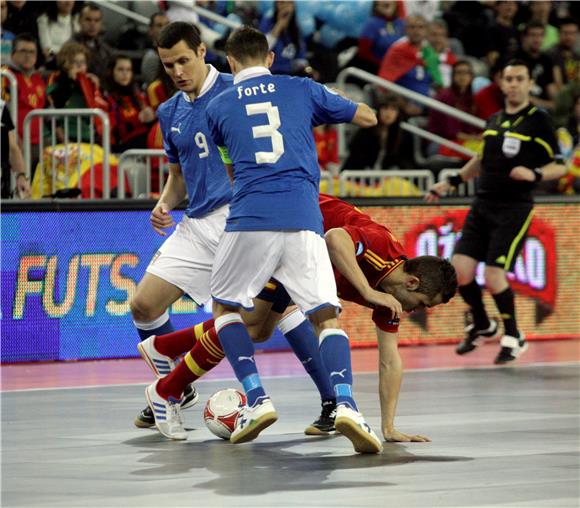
point(67, 278)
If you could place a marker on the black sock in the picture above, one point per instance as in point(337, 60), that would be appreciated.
point(471, 293)
point(506, 306)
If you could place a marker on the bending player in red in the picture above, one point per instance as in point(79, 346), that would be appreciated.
point(368, 262)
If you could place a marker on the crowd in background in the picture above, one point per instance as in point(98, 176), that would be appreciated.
point(64, 55)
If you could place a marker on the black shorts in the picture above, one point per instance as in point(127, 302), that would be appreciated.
point(495, 232)
point(276, 293)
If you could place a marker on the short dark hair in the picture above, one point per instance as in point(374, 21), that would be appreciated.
point(531, 25)
point(567, 21)
point(23, 37)
point(90, 6)
point(179, 31)
point(517, 62)
point(436, 276)
point(247, 43)
point(155, 15)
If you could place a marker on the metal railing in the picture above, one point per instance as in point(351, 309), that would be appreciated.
point(54, 115)
point(136, 164)
point(413, 96)
point(464, 189)
point(392, 182)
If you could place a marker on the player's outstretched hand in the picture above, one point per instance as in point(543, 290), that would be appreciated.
point(436, 191)
point(161, 219)
point(523, 174)
point(381, 299)
point(398, 437)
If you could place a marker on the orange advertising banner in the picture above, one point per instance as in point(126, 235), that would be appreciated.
point(546, 278)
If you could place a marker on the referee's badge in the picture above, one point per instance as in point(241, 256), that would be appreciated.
point(511, 146)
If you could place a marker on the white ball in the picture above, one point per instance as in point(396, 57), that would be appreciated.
point(222, 410)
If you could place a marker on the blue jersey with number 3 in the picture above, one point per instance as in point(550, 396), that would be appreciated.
point(187, 142)
point(265, 121)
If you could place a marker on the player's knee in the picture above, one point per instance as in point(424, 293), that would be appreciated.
point(495, 278)
point(141, 310)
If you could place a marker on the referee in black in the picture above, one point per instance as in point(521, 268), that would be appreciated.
point(520, 149)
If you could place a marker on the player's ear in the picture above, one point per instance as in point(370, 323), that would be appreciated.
point(232, 63)
point(201, 50)
point(270, 59)
point(412, 283)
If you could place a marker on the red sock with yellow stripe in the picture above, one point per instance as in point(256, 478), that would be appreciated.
point(204, 356)
point(176, 343)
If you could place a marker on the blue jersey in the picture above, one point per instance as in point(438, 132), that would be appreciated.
point(265, 121)
point(187, 142)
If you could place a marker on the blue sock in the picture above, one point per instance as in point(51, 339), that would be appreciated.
point(239, 350)
point(335, 352)
point(304, 342)
point(160, 326)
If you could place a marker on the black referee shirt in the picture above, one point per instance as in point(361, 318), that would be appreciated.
point(526, 138)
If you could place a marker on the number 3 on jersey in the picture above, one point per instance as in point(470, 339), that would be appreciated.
point(267, 131)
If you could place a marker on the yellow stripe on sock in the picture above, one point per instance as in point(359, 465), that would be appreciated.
point(210, 347)
point(517, 240)
point(198, 330)
point(193, 366)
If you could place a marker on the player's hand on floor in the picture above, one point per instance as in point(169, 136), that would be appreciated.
point(161, 219)
point(436, 191)
point(395, 436)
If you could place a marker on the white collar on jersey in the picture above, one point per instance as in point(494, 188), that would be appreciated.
point(207, 84)
point(251, 72)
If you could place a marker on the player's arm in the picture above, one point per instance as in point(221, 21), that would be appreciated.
point(365, 116)
point(341, 250)
point(470, 170)
point(390, 376)
point(173, 193)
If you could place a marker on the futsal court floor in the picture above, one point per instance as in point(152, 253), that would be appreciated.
point(502, 437)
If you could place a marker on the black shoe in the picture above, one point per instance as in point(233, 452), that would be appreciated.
point(511, 348)
point(146, 419)
point(190, 397)
point(325, 423)
point(474, 338)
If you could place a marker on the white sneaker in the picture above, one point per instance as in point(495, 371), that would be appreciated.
point(167, 413)
point(252, 421)
point(161, 365)
point(352, 424)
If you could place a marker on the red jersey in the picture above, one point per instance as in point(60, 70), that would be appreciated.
point(31, 95)
point(377, 250)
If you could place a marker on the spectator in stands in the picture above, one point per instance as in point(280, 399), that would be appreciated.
point(12, 159)
point(71, 87)
point(437, 36)
point(99, 53)
point(565, 101)
point(150, 64)
point(381, 30)
point(285, 40)
point(56, 26)
point(22, 17)
point(459, 96)
point(541, 65)
point(326, 139)
point(503, 35)
point(490, 99)
point(31, 87)
point(411, 62)
point(469, 22)
point(540, 12)
point(565, 54)
point(385, 146)
point(130, 115)
point(6, 36)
